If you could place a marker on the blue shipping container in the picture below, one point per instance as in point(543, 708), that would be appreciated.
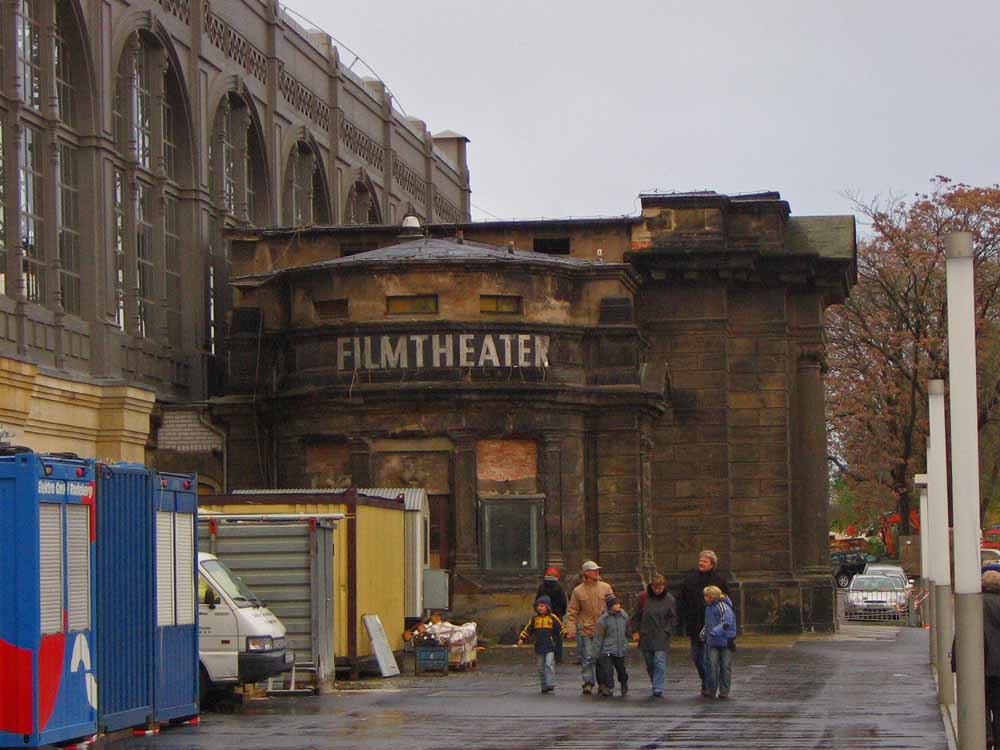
point(48, 690)
point(124, 596)
point(176, 585)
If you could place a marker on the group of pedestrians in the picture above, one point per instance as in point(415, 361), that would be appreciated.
point(602, 629)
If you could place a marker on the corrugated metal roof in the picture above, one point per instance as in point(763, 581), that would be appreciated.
point(414, 498)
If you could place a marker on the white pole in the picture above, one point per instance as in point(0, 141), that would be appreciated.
point(943, 627)
point(965, 491)
point(920, 484)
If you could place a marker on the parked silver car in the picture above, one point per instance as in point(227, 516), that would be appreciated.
point(877, 597)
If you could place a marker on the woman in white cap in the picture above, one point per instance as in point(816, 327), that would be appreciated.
point(586, 605)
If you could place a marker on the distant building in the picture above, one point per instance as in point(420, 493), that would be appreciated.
point(630, 390)
point(132, 135)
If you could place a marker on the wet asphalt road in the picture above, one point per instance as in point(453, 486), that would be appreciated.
point(865, 688)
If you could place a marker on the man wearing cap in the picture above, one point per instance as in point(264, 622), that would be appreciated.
point(691, 606)
point(586, 605)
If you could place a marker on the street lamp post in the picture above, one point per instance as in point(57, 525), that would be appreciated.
point(926, 571)
point(965, 491)
point(940, 543)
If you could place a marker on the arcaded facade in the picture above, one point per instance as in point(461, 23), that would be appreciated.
point(132, 135)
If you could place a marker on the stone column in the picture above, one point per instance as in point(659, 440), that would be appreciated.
point(552, 486)
point(573, 499)
point(810, 524)
point(466, 502)
point(360, 462)
point(647, 560)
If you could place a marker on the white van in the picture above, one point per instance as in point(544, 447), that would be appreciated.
point(240, 640)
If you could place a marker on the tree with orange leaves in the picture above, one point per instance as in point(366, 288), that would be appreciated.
point(890, 338)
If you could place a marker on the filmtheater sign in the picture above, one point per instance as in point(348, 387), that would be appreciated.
point(425, 350)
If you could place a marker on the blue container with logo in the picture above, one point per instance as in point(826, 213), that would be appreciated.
point(49, 689)
point(175, 532)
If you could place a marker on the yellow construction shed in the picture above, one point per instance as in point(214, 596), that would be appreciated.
point(368, 559)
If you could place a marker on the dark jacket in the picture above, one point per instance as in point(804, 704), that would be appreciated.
point(991, 632)
point(691, 600)
point(554, 590)
point(543, 628)
point(720, 623)
point(654, 619)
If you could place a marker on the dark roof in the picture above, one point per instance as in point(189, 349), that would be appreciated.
point(436, 251)
point(825, 236)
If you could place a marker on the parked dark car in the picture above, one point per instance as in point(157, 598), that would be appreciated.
point(846, 565)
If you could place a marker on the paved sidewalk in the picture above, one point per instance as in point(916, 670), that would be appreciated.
point(864, 688)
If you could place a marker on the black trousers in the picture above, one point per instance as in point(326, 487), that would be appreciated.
point(607, 666)
point(557, 637)
point(992, 711)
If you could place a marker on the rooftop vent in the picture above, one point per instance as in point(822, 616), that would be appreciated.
point(411, 228)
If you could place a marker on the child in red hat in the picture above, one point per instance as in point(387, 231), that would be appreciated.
point(551, 588)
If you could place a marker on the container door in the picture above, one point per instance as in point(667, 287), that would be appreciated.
point(124, 596)
point(176, 549)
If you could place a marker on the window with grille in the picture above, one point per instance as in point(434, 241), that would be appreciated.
point(511, 529)
point(145, 268)
point(32, 186)
point(119, 247)
point(412, 304)
point(331, 308)
point(142, 107)
point(169, 140)
point(210, 323)
point(184, 571)
point(3, 216)
point(500, 304)
point(172, 270)
point(251, 175)
point(50, 573)
point(229, 167)
point(64, 67)
point(165, 614)
point(29, 53)
point(78, 567)
point(300, 186)
point(69, 229)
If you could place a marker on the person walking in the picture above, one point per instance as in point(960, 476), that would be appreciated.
point(543, 629)
point(586, 605)
point(691, 606)
point(611, 647)
point(652, 623)
point(718, 634)
point(552, 588)
point(991, 644)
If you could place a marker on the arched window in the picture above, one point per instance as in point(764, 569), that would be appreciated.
point(150, 135)
point(238, 187)
point(305, 200)
point(362, 204)
point(41, 157)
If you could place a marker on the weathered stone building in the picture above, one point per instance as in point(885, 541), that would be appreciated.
point(629, 390)
point(132, 134)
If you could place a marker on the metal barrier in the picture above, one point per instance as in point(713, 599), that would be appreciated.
point(882, 606)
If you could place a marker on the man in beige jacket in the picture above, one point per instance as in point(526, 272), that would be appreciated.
point(585, 606)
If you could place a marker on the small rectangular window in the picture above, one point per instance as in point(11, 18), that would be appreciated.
point(500, 304)
point(331, 308)
point(412, 304)
point(551, 245)
point(511, 533)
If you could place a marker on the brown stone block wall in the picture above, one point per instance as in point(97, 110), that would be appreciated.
point(757, 396)
point(686, 328)
point(618, 524)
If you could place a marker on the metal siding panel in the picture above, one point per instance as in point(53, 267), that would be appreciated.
point(78, 567)
point(185, 557)
point(164, 568)
point(124, 596)
point(50, 540)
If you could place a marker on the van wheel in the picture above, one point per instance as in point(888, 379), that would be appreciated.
point(203, 686)
point(843, 580)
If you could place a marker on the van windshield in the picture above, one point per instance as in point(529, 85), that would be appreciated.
point(229, 583)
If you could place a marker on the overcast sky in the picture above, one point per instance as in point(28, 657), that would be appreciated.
point(573, 108)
